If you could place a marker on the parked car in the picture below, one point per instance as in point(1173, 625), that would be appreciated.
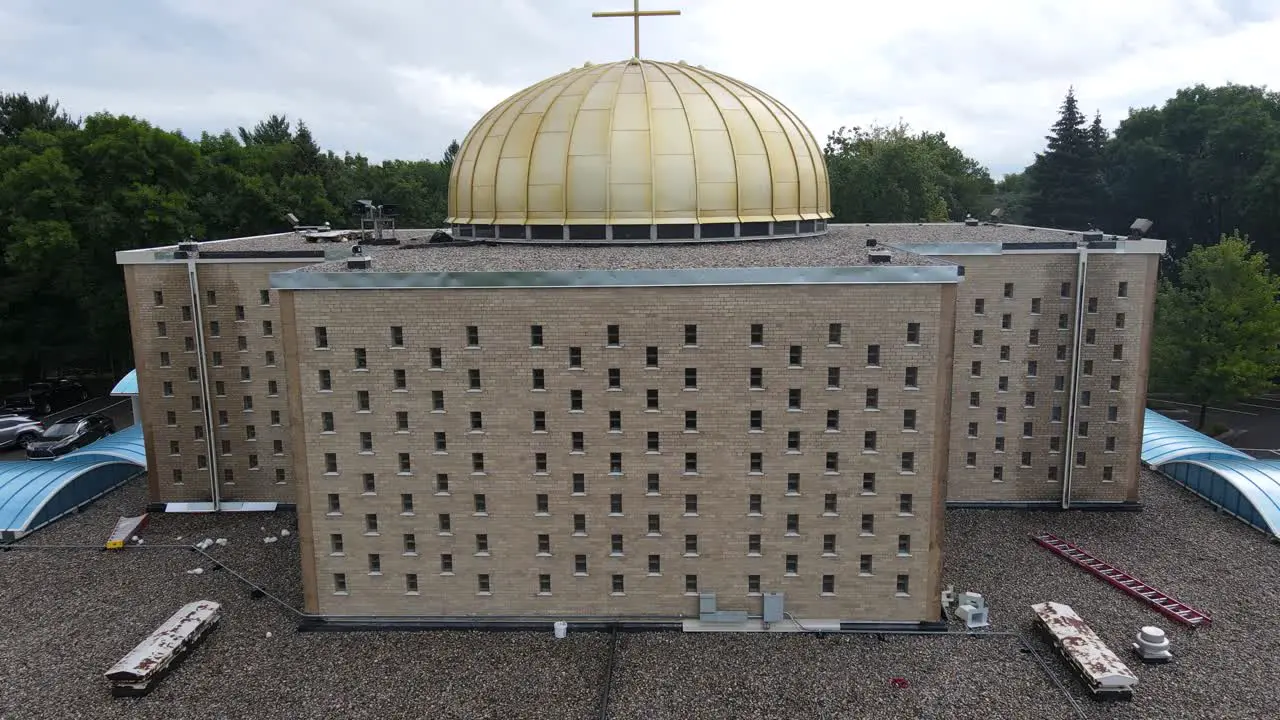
point(42, 398)
point(69, 433)
point(18, 431)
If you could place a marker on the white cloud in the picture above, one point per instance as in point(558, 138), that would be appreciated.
point(400, 78)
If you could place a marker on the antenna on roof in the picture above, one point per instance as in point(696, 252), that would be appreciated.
point(375, 220)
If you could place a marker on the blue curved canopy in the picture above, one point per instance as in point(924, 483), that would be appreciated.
point(34, 493)
point(1248, 489)
point(126, 445)
point(128, 384)
point(1165, 440)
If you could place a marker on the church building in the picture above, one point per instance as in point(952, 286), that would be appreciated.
point(646, 367)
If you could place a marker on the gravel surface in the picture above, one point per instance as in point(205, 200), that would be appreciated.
point(843, 245)
point(69, 614)
point(1179, 545)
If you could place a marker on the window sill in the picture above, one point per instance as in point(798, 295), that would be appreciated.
point(375, 573)
point(481, 554)
point(333, 514)
point(687, 431)
point(484, 594)
point(901, 594)
point(579, 534)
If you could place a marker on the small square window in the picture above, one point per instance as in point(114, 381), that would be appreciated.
point(833, 419)
point(1064, 290)
point(873, 355)
point(651, 399)
point(1008, 290)
point(911, 377)
point(575, 399)
point(473, 336)
point(757, 378)
point(651, 356)
point(397, 336)
point(615, 463)
point(1122, 290)
point(690, 378)
point(793, 399)
point(757, 334)
point(615, 421)
point(691, 420)
point(913, 333)
point(1035, 306)
point(690, 334)
point(613, 336)
point(869, 483)
point(795, 356)
point(575, 357)
point(1092, 305)
point(873, 399)
point(437, 358)
point(793, 483)
point(979, 306)
point(322, 337)
point(615, 378)
point(535, 336)
point(908, 419)
point(833, 334)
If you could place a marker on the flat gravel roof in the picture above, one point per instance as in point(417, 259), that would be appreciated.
point(70, 614)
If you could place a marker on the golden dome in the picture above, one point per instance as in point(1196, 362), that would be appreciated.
point(639, 142)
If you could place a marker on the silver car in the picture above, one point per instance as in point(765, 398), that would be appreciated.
point(18, 431)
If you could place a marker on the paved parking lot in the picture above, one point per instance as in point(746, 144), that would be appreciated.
point(119, 409)
point(1257, 419)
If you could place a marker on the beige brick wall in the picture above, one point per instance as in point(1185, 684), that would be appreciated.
point(1004, 355)
point(723, 401)
point(254, 460)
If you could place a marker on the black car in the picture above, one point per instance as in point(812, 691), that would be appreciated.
point(69, 433)
point(42, 398)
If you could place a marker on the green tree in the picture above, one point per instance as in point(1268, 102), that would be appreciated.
point(1217, 330)
point(891, 174)
point(1065, 180)
point(1203, 164)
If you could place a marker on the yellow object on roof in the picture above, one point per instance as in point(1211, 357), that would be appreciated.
point(638, 142)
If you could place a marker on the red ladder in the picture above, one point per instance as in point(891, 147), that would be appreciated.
point(1163, 603)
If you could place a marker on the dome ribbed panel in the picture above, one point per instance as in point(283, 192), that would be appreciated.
point(638, 143)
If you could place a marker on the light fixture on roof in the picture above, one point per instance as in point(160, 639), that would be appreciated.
point(996, 214)
point(293, 219)
point(1140, 227)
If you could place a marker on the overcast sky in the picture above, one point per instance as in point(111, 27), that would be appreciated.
point(400, 78)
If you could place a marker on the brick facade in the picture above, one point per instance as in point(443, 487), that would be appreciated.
point(374, 482)
point(1019, 308)
point(977, 436)
point(249, 438)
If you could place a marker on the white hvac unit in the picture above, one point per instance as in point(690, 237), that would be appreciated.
point(973, 610)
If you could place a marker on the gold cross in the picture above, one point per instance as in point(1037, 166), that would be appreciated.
point(635, 15)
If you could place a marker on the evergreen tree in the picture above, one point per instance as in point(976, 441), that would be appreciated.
point(1065, 180)
point(1098, 135)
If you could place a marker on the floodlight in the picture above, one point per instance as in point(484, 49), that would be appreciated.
point(1141, 226)
point(293, 219)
